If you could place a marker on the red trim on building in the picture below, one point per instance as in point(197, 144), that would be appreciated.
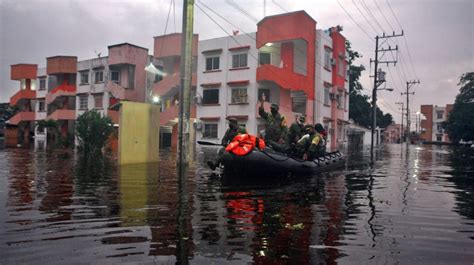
point(238, 83)
point(210, 118)
point(327, 47)
point(239, 48)
point(209, 85)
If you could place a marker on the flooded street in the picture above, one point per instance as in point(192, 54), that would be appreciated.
point(414, 207)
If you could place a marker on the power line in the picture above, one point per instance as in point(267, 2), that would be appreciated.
point(364, 5)
point(355, 22)
point(363, 15)
point(404, 38)
point(166, 28)
point(383, 15)
point(275, 2)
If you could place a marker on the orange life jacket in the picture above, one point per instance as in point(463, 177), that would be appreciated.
point(243, 144)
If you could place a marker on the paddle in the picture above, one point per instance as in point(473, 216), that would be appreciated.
point(208, 143)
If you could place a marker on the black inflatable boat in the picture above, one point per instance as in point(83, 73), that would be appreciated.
point(269, 162)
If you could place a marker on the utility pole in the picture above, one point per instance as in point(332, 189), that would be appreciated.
point(401, 128)
point(183, 129)
point(379, 78)
point(409, 85)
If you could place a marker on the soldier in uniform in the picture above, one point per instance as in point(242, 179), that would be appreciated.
point(233, 130)
point(275, 125)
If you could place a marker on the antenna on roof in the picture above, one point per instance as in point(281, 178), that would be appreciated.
point(97, 53)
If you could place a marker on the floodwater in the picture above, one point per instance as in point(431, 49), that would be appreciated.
point(414, 207)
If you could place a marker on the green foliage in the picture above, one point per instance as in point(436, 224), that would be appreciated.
point(360, 110)
point(460, 123)
point(47, 124)
point(92, 131)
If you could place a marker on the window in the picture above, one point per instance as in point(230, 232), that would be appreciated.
point(327, 58)
point(439, 127)
point(98, 101)
point(42, 85)
point(341, 67)
point(115, 76)
point(210, 96)
point(99, 76)
point(340, 101)
point(439, 114)
point(439, 138)
point(264, 58)
point(239, 95)
point(326, 95)
point(84, 78)
point(41, 105)
point(264, 91)
point(212, 63)
point(159, 75)
point(83, 102)
point(239, 60)
point(210, 130)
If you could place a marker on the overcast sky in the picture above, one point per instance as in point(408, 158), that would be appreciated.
point(439, 34)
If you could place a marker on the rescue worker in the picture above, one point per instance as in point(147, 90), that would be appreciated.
point(275, 125)
point(233, 130)
point(302, 145)
point(322, 146)
point(296, 130)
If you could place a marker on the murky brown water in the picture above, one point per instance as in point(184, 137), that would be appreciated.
point(416, 207)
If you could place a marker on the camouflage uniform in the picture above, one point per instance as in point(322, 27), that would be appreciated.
point(231, 133)
point(233, 130)
point(275, 126)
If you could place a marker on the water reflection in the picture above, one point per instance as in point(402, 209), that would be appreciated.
point(410, 208)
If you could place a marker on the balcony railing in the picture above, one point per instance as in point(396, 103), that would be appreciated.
point(62, 114)
point(22, 94)
point(22, 116)
point(59, 91)
point(119, 91)
point(163, 87)
point(169, 117)
point(285, 78)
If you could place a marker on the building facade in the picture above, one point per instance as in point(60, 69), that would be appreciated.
point(432, 123)
point(287, 62)
point(66, 88)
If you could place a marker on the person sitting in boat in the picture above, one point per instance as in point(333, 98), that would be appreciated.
point(275, 126)
point(322, 145)
point(312, 144)
point(302, 145)
point(295, 132)
point(233, 130)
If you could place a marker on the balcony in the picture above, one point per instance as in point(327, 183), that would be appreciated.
point(62, 114)
point(61, 65)
point(62, 90)
point(119, 91)
point(23, 71)
point(169, 86)
point(22, 116)
point(169, 117)
point(22, 94)
point(285, 78)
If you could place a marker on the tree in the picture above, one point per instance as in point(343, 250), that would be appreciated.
point(92, 131)
point(460, 123)
point(52, 127)
point(360, 110)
